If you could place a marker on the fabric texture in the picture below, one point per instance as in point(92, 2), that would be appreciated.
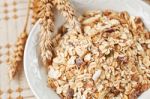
point(12, 20)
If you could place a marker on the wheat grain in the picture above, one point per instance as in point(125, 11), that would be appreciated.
point(47, 28)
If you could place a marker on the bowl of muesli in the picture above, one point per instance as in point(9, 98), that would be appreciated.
point(109, 59)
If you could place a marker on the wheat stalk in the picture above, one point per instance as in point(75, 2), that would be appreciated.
point(68, 12)
point(17, 59)
point(47, 28)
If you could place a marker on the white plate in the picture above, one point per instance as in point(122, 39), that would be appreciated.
point(37, 76)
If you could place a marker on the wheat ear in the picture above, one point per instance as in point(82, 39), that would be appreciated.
point(17, 59)
point(35, 10)
point(47, 28)
point(68, 12)
point(16, 62)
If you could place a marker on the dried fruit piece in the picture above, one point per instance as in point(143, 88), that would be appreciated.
point(79, 61)
point(122, 59)
point(70, 93)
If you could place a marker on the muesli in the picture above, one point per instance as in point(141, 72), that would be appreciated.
point(110, 59)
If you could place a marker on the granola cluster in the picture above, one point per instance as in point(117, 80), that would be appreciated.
point(110, 59)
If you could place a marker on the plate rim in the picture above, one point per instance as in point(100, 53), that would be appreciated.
point(24, 61)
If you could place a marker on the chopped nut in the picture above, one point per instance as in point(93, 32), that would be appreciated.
point(100, 87)
point(87, 29)
point(139, 47)
point(124, 36)
point(147, 41)
point(87, 57)
point(148, 46)
point(135, 77)
point(114, 22)
point(83, 97)
point(91, 20)
point(80, 52)
point(58, 60)
point(71, 61)
point(89, 84)
point(55, 74)
point(65, 89)
point(59, 90)
point(71, 52)
point(146, 61)
point(96, 75)
point(79, 84)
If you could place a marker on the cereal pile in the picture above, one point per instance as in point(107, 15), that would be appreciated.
point(110, 59)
